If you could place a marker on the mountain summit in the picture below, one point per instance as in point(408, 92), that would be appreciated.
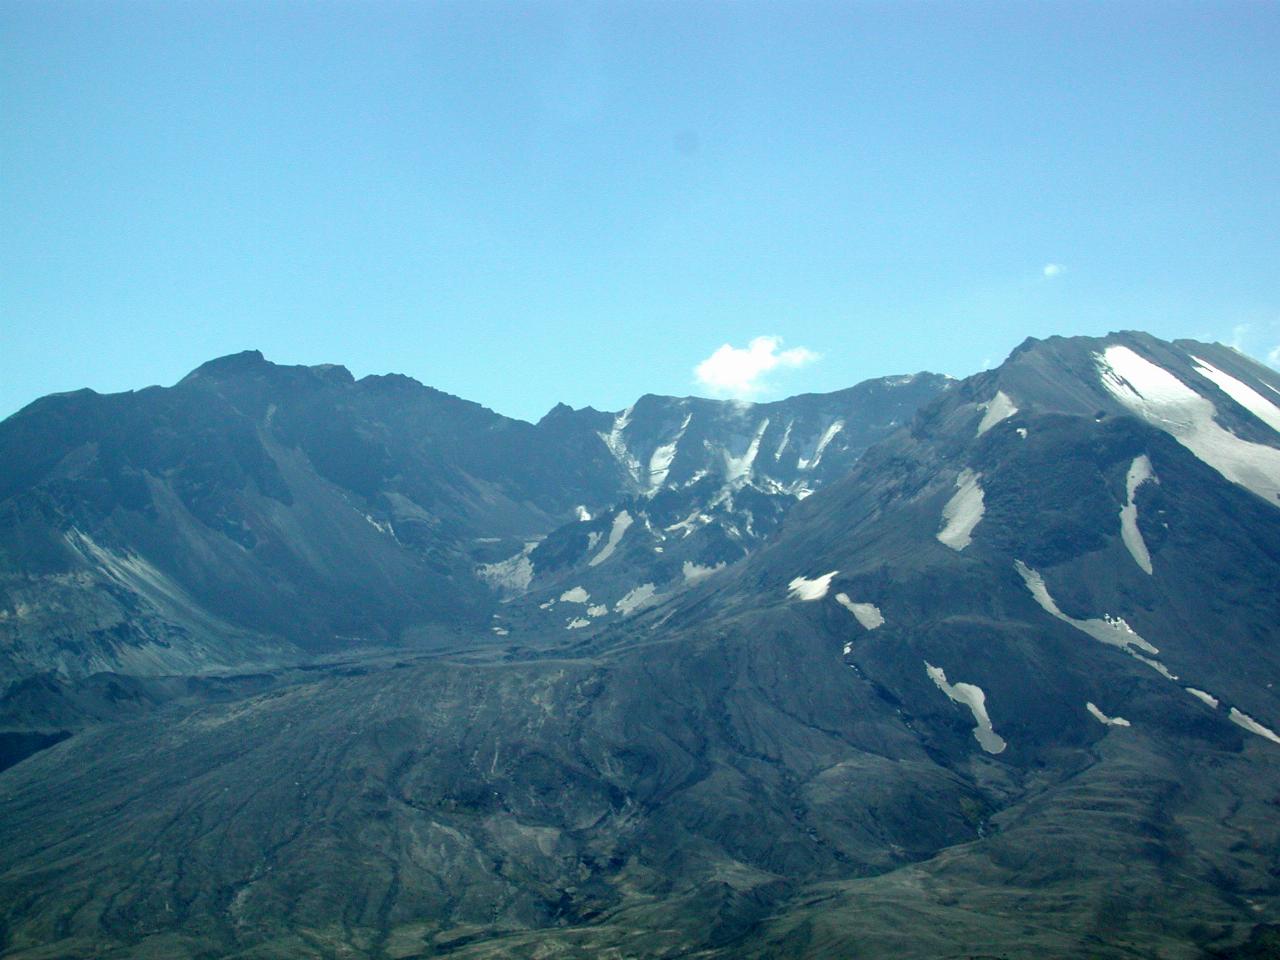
point(989, 669)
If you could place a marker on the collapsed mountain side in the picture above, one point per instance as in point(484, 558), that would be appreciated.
point(257, 515)
point(1006, 688)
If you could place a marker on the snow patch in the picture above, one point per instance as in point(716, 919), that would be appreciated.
point(1103, 718)
point(660, 462)
point(786, 437)
point(828, 435)
point(1160, 398)
point(689, 523)
point(737, 470)
point(620, 524)
point(618, 446)
point(1208, 698)
point(815, 589)
point(1139, 473)
point(381, 526)
point(584, 515)
point(577, 624)
point(512, 575)
point(998, 408)
point(1112, 631)
point(694, 572)
point(575, 595)
point(597, 610)
point(972, 697)
point(1022, 432)
point(963, 511)
point(1155, 665)
point(635, 599)
point(867, 614)
point(1241, 393)
point(1252, 725)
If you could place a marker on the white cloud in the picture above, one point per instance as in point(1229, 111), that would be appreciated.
point(1052, 270)
point(1273, 357)
point(739, 372)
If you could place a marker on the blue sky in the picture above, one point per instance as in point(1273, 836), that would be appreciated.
point(525, 203)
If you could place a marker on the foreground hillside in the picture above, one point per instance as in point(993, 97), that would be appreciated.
point(1005, 688)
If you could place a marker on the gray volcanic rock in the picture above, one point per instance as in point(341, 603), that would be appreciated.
point(1006, 687)
point(257, 514)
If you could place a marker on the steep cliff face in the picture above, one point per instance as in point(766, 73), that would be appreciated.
point(255, 513)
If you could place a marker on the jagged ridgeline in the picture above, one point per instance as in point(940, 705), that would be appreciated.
point(254, 514)
point(306, 666)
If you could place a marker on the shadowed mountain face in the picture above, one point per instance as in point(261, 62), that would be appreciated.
point(1004, 686)
point(255, 514)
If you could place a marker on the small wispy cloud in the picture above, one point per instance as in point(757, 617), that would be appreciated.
point(1051, 270)
point(1240, 336)
point(1273, 357)
point(740, 371)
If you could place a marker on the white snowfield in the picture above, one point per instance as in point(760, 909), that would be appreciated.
point(1103, 718)
point(815, 589)
point(1252, 725)
point(786, 438)
point(867, 614)
point(1157, 396)
point(972, 697)
point(575, 595)
point(998, 408)
point(618, 445)
point(809, 463)
point(660, 462)
point(963, 511)
point(1140, 472)
point(578, 623)
point(639, 597)
point(1241, 393)
point(737, 470)
point(620, 524)
point(1204, 697)
point(1112, 631)
point(597, 610)
point(513, 574)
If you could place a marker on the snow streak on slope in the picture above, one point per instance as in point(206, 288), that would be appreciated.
point(737, 470)
point(963, 511)
point(660, 462)
point(620, 524)
point(998, 408)
point(635, 599)
point(618, 446)
point(1204, 697)
point(1139, 473)
point(786, 437)
point(1112, 631)
point(1252, 725)
point(815, 589)
point(1160, 398)
point(1241, 393)
point(828, 435)
point(972, 697)
point(1103, 718)
point(867, 614)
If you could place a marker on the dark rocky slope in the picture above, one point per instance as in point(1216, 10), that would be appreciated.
point(1003, 690)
